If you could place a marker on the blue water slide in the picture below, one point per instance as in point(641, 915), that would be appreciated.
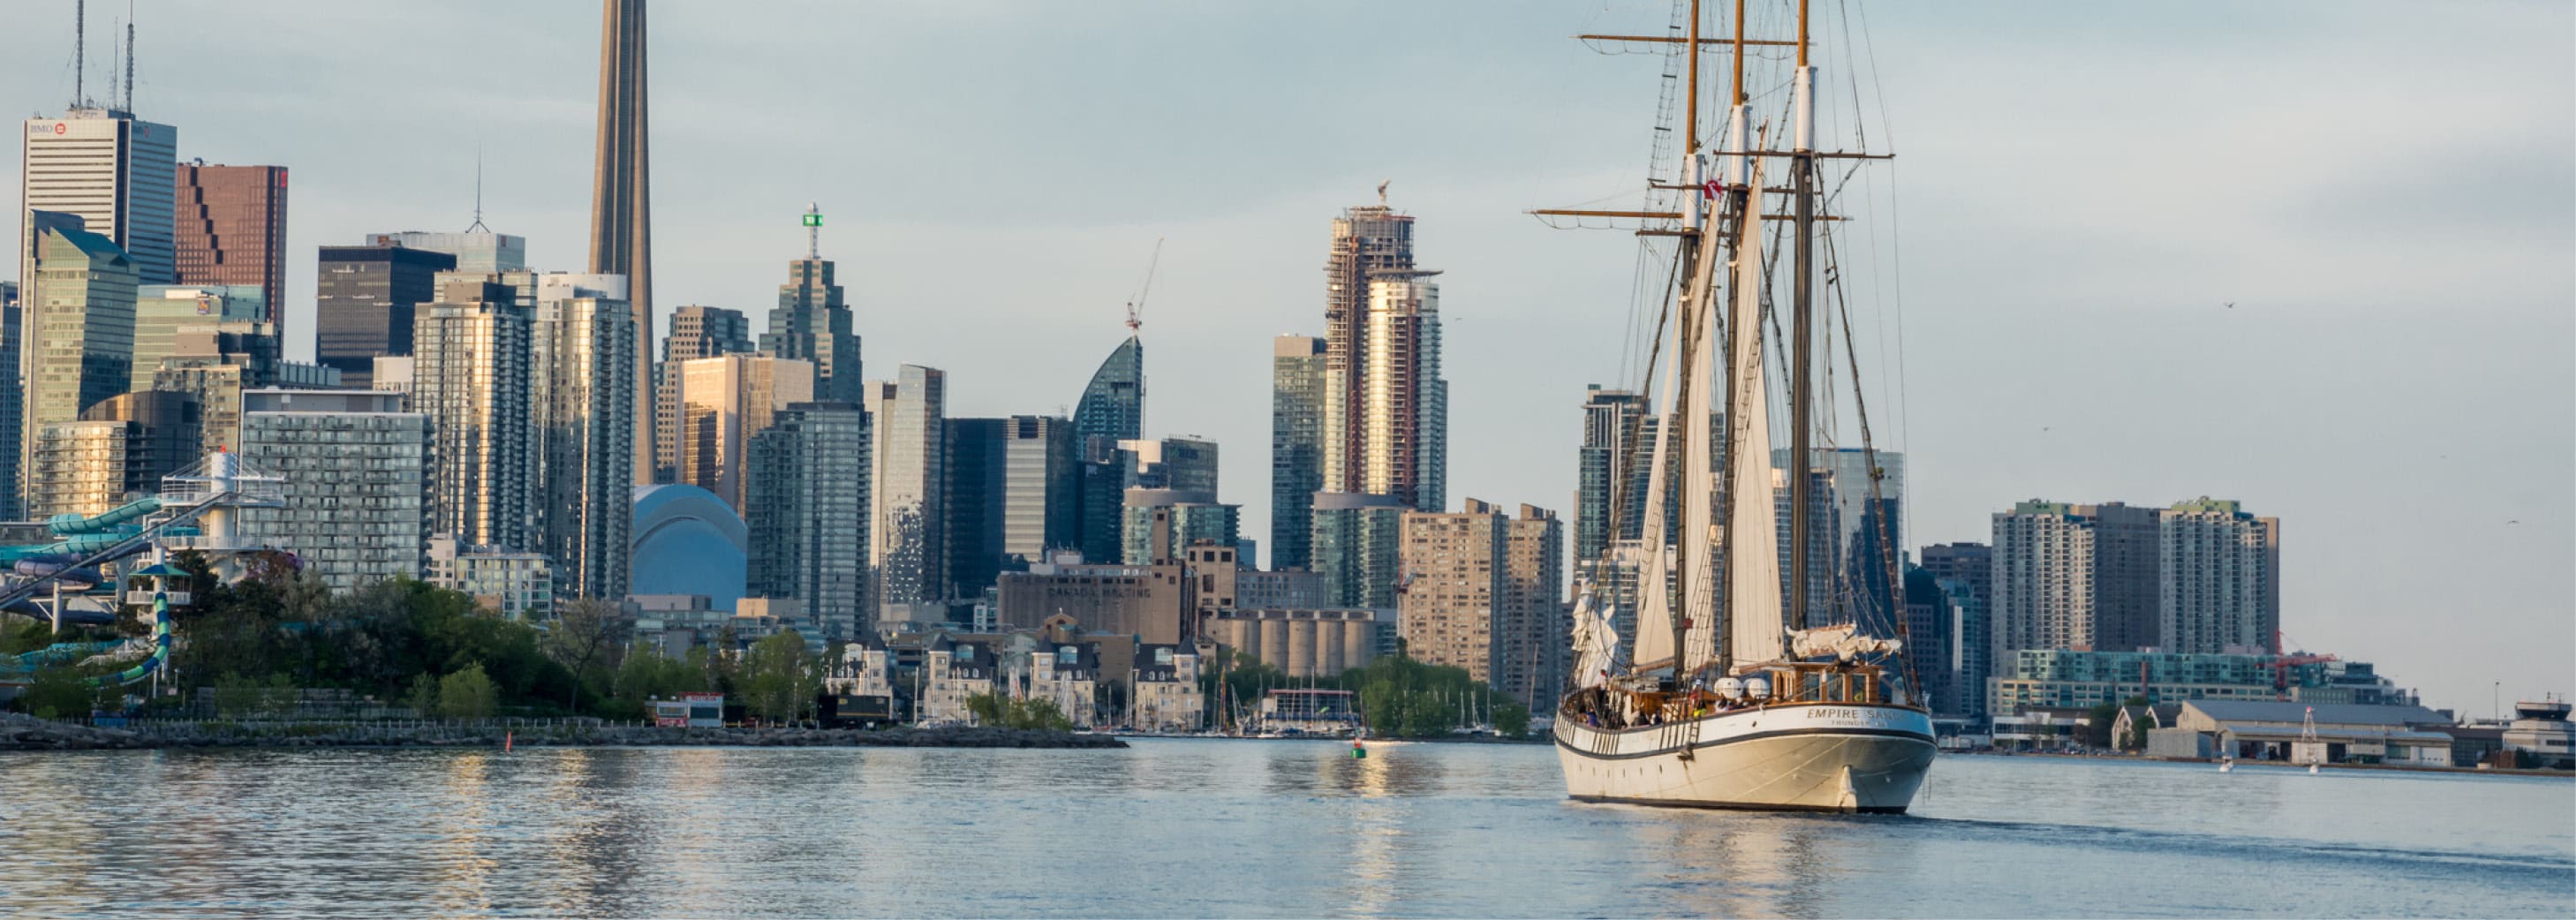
point(66, 525)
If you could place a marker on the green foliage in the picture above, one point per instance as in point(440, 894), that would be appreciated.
point(378, 640)
point(1512, 719)
point(57, 693)
point(1398, 695)
point(467, 694)
point(647, 673)
point(586, 639)
point(778, 679)
point(996, 710)
point(423, 697)
point(2103, 718)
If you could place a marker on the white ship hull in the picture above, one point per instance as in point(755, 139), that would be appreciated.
point(1846, 757)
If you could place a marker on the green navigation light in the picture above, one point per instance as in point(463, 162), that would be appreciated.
point(813, 220)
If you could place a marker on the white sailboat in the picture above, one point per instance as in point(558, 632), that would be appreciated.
point(1721, 705)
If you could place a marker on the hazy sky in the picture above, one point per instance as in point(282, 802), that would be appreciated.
point(2383, 189)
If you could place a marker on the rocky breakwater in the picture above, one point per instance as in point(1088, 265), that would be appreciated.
point(21, 733)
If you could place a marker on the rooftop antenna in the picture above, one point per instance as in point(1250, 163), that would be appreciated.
point(80, 53)
point(1136, 305)
point(478, 193)
point(814, 232)
point(112, 51)
point(129, 55)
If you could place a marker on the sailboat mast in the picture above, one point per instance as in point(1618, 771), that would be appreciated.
point(1741, 201)
point(1802, 164)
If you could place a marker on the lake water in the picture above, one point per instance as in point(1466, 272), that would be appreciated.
point(1233, 828)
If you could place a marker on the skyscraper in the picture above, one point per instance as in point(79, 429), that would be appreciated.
point(2219, 590)
point(812, 323)
point(1296, 446)
point(807, 491)
point(77, 340)
point(1366, 240)
point(978, 457)
point(1851, 555)
point(365, 303)
point(583, 361)
point(357, 477)
point(13, 394)
point(906, 546)
point(1963, 574)
point(1404, 408)
point(1113, 403)
point(115, 172)
point(162, 310)
point(1453, 587)
point(1179, 462)
point(725, 400)
point(231, 230)
point(1041, 487)
point(2076, 577)
point(1178, 517)
point(696, 332)
point(472, 369)
point(1613, 423)
point(621, 224)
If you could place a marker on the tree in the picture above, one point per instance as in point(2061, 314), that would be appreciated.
point(1512, 719)
point(467, 694)
point(779, 679)
point(57, 693)
point(588, 632)
point(424, 695)
point(999, 711)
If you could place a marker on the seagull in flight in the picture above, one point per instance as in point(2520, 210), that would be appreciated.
point(2231, 305)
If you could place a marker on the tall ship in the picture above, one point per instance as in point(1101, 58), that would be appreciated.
point(1717, 701)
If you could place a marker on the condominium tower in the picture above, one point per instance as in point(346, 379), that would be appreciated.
point(583, 360)
point(472, 371)
point(906, 546)
point(724, 401)
point(806, 506)
point(696, 332)
point(2219, 590)
point(357, 476)
point(77, 343)
point(2078, 577)
point(1297, 446)
point(1366, 240)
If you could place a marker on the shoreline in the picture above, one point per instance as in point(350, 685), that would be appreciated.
point(2279, 764)
point(22, 734)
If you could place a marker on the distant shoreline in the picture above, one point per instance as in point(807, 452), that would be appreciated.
point(19, 733)
point(2277, 764)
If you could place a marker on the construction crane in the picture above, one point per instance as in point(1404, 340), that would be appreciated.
point(1136, 304)
point(2282, 664)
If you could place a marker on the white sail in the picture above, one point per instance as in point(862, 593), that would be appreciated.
point(1693, 349)
point(1654, 639)
point(1698, 543)
point(1753, 561)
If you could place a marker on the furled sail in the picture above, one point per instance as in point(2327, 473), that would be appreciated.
point(1753, 560)
point(1694, 360)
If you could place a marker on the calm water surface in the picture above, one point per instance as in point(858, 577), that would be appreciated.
point(1233, 828)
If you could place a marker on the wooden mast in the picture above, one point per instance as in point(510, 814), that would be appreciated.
point(1802, 164)
point(1743, 203)
point(1686, 355)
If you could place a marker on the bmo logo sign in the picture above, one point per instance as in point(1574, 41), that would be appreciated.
point(42, 129)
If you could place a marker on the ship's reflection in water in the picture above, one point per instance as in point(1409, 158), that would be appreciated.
point(1209, 828)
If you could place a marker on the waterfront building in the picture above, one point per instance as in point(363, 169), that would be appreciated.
point(1160, 521)
point(1296, 445)
point(807, 501)
point(356, 467)
point(1164, 693)
point(1366, 240)
point(1356, 543)
point(1404, 408)
point(1307, 641)
point(621, 226)
point(230, 230)
point(509, 582)
point(117, 451)
point(906, 547)
point(724, 401)
point(953, 671)
point(685, 541)
point(477, 251)
point(2540, 735)
point(812, 323)
point(1112, 408)
point(2299, 732)
point(112, 170)
point(583, 361)
point(2220, 584)
point(472, 373)
point(1477, 589)
point(365, 301)
point(2059, 678)
point(1067, 674)
point(2079, 577)
point(696, 332)
point(1151, 602)
point(76, 346)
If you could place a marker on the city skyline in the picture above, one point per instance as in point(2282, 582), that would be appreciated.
point(2384, 539)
